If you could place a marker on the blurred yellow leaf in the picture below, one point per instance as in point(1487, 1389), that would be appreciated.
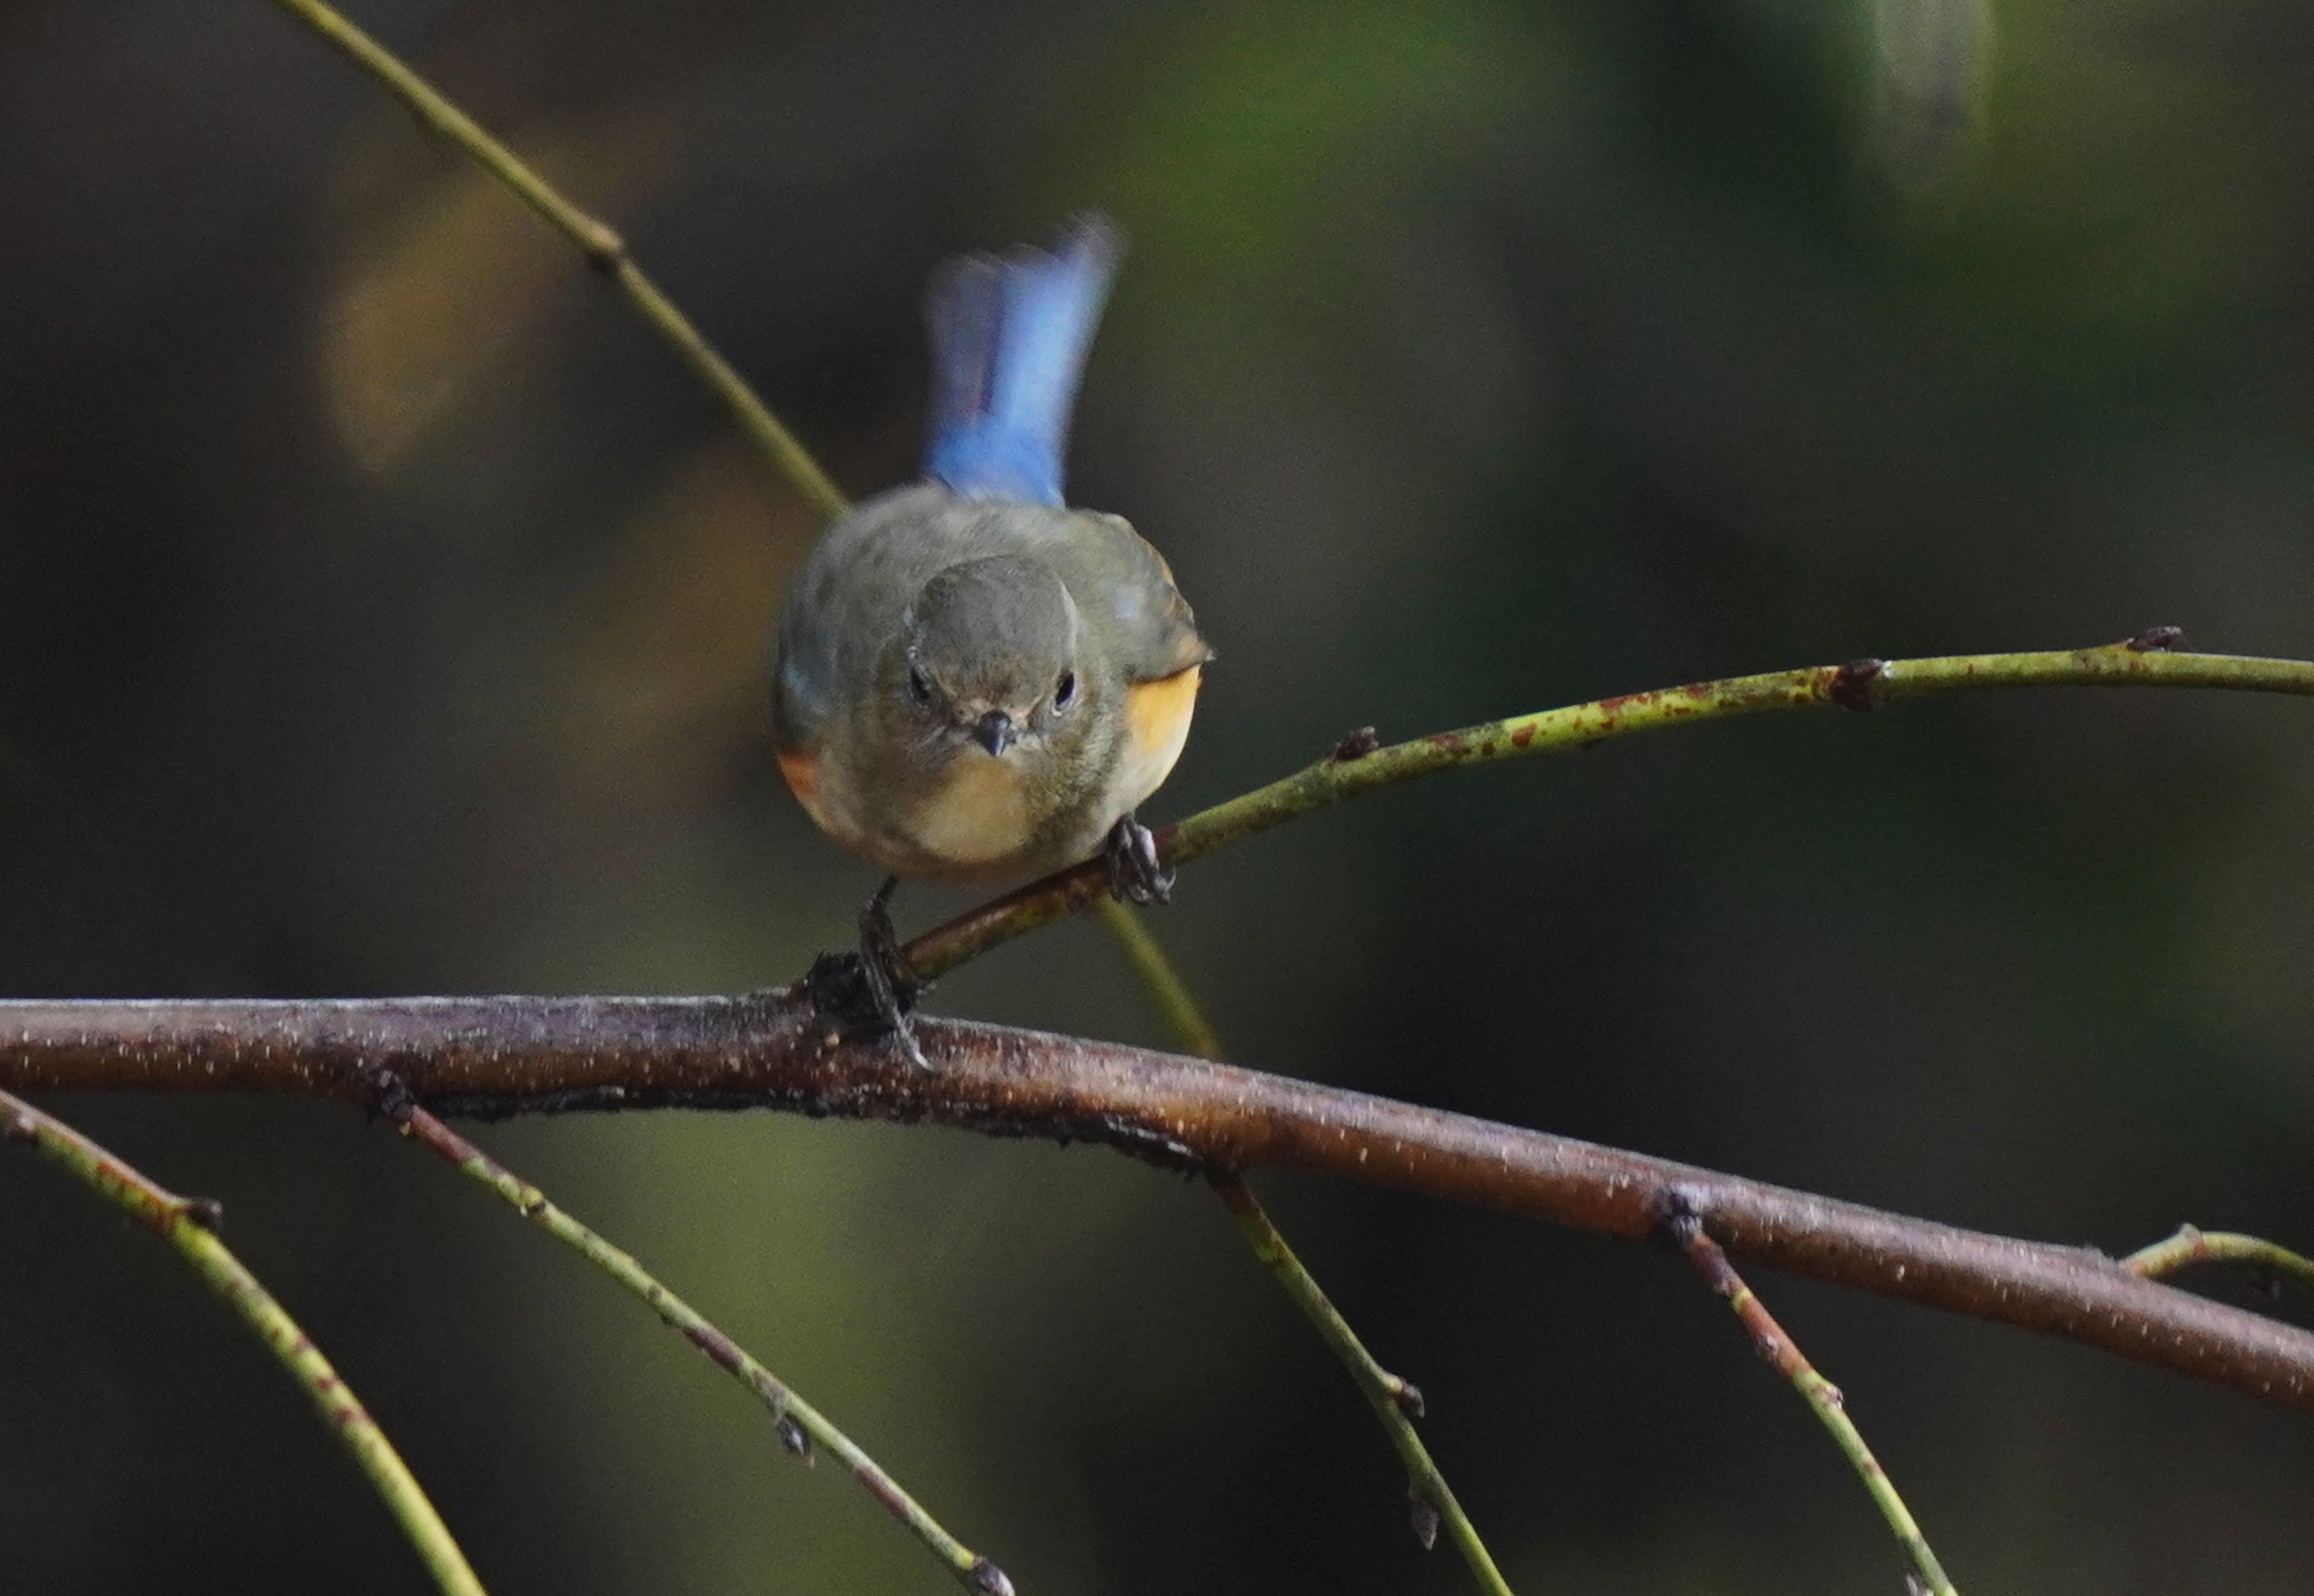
point(433, 303)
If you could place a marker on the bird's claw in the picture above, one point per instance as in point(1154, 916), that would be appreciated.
point(870, 992)
point(1135, 874)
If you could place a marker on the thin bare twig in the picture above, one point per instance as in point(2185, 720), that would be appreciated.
point(1685, 1230)
point(800, 1426)
point(599, 242)
point(1355, 768)
point(1183, 1015)
point(189, 1225)
point(510, 1055)
point(2190, 1246)
point(1396, 1402)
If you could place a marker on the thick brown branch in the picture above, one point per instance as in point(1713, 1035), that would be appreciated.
point(495, 1056)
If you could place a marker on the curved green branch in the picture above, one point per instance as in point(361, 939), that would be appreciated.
point(599, 242)
point(1776, 1348)
point(1350, 771)
point(798, 1425)
point(1396, 1402)
point(1175, 1001)
point(188, 1226)
point(2191, 1246)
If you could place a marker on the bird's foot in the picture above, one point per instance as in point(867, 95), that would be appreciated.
point(1135, 874)
point(870, 992)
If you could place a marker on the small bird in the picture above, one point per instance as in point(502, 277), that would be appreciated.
point(974, 683)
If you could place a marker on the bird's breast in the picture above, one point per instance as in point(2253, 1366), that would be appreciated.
point(978, 816)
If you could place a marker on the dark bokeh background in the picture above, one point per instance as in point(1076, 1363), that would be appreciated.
point(382, 609)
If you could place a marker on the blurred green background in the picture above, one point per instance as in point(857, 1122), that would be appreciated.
point(382, 610)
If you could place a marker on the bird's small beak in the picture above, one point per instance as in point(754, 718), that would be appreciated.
point(994, 731)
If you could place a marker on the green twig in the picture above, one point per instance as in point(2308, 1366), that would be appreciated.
point(189, 1224)
point(1396, 1402)
point(1167, 990)
point(1771, 1341)
point(800, 1426)
point(1354, 770)
point(2190, 1246)
point(603, 247)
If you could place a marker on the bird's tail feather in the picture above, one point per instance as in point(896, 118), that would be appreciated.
point(1009, 337)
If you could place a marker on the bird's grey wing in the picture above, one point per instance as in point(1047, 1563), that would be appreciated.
point(1114, 575)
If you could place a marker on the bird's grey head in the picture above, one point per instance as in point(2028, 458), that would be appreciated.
point(988, 652)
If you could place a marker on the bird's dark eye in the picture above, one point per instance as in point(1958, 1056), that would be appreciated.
point(1064, 691)
point(919, 688)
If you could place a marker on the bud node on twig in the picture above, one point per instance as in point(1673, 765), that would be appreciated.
point(390, 1095)
point(1856, 686)
point(1423, 1513)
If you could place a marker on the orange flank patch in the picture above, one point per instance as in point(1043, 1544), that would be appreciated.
point(1157, 716)
point(802, 773)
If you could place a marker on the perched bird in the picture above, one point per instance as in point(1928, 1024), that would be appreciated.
point(974, 683)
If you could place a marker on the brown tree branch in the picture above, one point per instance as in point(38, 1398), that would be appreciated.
point(498, 1056)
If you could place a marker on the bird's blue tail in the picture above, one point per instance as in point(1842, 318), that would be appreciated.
point(1008, 339)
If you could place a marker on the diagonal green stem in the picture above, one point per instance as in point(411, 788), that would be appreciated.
point(1171, 994)
point(188, 1226)
point(1823, 1399)
point(600, 244)
point(1860, 684)
point(2191, 1245)
point(799, 1424)
point(1396, 1402)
